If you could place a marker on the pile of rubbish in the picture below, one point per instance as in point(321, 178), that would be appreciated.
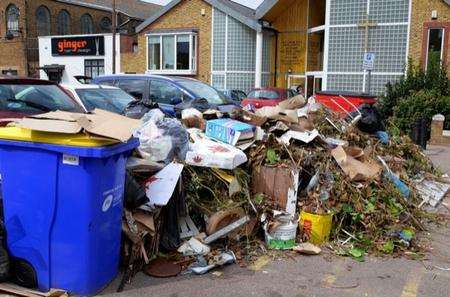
point(215, 188)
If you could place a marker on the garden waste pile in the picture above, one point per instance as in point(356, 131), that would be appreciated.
point(214, 188)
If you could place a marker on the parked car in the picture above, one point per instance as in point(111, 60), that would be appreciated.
point(96, 96)
point(261, 97)
point(83, 79)
point(235, 95)
point(172, 93)
point(20, 97)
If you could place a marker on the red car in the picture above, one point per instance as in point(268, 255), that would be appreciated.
point(261, 97)
point(20, 97)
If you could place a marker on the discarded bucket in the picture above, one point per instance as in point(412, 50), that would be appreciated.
point(282, 236)
point(316, 227)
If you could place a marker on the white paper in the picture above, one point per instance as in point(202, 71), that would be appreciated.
point(163, 184)
point(306, 136)
point(194, 247)
point(191, 113)
point(291, 203)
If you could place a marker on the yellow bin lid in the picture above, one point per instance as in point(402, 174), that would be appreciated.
point(80, 139)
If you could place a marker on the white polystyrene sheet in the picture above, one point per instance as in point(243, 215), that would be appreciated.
point(162, 185)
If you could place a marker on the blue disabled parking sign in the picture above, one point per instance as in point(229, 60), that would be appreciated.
point(369, 60)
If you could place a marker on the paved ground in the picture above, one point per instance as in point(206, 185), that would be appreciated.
point(324, 275)
point(440, 155)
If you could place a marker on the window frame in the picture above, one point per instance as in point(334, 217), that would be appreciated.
point(14, 31)
point(193, 53)
point(103, 22)
point(86, 19)
point(427, 26)
point(10, 72)
point(97, 66)
point(65, 13)
point(47, 21)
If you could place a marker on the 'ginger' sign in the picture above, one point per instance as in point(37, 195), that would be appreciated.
point(78, 46)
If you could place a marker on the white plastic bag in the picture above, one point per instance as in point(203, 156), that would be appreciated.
point(161, 138)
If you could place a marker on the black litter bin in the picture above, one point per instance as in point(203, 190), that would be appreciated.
point(419, 132)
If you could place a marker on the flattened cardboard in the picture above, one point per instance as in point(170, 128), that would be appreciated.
point(293, 103)
point(356, 170)
point(59, 115)
point(253, 119)
point(99, 122)
point(278, 113)
point(48, 125)
point(146, 220)
point(112, 125)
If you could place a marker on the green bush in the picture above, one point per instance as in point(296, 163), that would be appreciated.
point(419, 94)
point(420, 104)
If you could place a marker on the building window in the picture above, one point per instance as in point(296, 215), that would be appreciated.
point(43, 20)
point(63, 23)
point(435, 48)
point(12, 19)
point(154, 50)
point(172, 53)
point(94, 67)
point(106, 24)
point(87, 24)
point(435, 41)
point(9, 72)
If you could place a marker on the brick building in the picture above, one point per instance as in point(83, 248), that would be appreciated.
point(214, 41)
point(22, 21)
point(315, 44)
point(430, 30)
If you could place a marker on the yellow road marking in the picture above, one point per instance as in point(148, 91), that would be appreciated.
point(411, 287)
point(330, 278)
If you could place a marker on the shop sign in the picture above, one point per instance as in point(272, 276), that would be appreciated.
point(78, 46)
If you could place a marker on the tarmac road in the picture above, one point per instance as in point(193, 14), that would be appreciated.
point(440, 155)
point(323, 275)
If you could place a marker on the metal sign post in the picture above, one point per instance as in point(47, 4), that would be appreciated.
point(368, 65)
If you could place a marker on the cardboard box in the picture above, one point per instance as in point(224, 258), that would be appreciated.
point(229, 131)
point(280, 183)
point(99, 122)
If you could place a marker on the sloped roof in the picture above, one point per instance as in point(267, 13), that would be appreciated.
point(240, 12)
point(264, 8)
point(133, 8)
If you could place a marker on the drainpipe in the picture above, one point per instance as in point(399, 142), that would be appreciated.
point(25, 38)
point(276, 60)
point(114, 29)
point(258, 65)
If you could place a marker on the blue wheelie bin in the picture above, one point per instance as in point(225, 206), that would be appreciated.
point(63, 201)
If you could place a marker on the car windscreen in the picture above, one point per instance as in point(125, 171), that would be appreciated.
point(25, 98)
point(202, 90)
point(263, 94)
point(114, 100)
